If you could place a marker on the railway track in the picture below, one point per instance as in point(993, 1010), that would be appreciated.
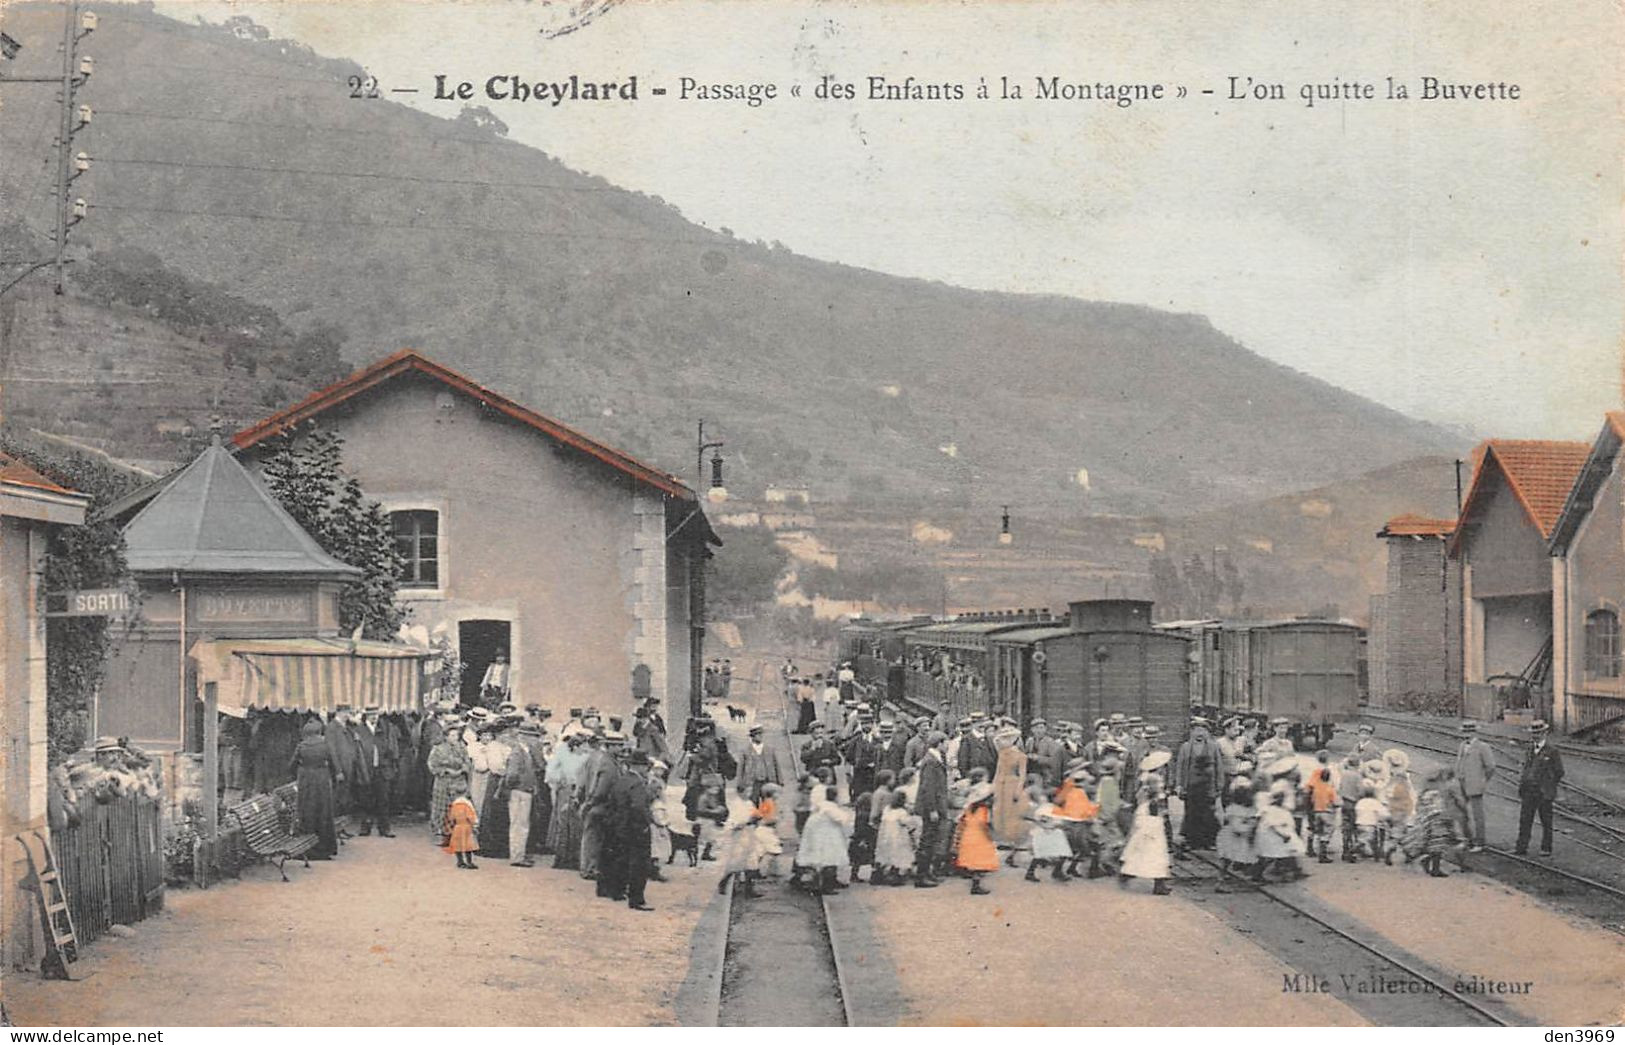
point(1611, 834)
point(1500, 743)
point(1350, 936)
point(781, 957)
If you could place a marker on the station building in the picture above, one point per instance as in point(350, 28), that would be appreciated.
point(522, 536)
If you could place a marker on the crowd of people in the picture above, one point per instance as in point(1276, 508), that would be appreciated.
point(903, 799)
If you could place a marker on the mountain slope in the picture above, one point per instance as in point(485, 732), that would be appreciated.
point(244, 163)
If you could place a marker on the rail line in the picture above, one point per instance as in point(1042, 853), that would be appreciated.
point(830, 954)
point(1607, 757)
point(1443, 989)
point(1563, 812)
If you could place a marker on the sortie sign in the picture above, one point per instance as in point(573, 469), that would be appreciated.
point(89, 602)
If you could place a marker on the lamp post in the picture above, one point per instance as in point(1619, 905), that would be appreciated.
point(1005, 537)
point(717, 492)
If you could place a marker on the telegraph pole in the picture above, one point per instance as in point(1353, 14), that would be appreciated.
point(70, 41)
point(75, 71)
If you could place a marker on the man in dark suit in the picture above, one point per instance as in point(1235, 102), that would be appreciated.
point(378, 748)
point(758, 765)
point(820, 752)
point(931, 806)
point(350, 774)
point(632, 819)
point(976, 751)
point(892, 750)
point(1537, 788)
point(863, 753)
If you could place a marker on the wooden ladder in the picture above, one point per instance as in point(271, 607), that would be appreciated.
point(61, 942)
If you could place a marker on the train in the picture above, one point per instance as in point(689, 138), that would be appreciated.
point(1307, 670)
point(1106, 655)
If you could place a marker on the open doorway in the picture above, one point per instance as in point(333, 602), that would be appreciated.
point(478, 643)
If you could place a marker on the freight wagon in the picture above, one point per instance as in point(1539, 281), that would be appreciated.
point(1305, 670)
point(1105, 659)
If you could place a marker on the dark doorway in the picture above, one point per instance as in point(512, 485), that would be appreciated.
point(478, 643)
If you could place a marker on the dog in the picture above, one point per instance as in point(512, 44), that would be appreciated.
point(681, 843)
point(736, 714)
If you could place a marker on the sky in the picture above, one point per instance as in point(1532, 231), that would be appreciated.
point(1457, 260)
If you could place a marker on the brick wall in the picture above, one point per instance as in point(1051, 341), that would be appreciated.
point(1420, 646)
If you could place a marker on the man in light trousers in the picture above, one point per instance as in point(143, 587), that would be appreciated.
point(1475, 767)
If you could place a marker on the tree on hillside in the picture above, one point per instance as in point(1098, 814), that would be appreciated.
point(306, 475)
point(745, 571)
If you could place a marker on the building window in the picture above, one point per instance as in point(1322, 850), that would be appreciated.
point(1602, 644)
point(417, 538)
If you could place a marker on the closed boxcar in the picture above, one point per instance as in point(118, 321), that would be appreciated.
point(1305, 670)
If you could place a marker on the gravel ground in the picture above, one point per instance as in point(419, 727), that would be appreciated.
point(1082, 953)
point(391, 934)
point(1471, 925)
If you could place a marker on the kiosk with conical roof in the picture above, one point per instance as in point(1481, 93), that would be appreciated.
point(239, 608)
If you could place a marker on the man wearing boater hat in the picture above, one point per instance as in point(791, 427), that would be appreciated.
point(1537, 788)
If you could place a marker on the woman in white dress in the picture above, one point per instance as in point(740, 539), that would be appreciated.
point(1146, 854)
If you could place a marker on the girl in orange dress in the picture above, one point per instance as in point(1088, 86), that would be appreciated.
point(977, 855)
point(461, 820)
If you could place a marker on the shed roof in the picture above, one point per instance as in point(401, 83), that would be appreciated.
point(1599, 463)
point(214, 517)
point(1412, 525)
point(1540, 473)
point(409, 361)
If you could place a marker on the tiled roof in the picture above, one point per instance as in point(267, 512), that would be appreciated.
point(1540, 472)
point(1411, 525)
point(19, 474)
point(408, 360)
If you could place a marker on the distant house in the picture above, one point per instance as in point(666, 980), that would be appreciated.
point(1508, 517)
point(1588, 583)
point(522, 536)
point(1415, 634)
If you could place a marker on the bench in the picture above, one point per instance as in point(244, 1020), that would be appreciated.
point(263, 832)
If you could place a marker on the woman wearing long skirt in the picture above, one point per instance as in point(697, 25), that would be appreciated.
point(449, 768)
point(1146, 854)
point(494, 821)
point(1010, 799)
point(313, 768)
point(976, 854)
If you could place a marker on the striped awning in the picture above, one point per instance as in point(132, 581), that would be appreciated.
point(311, 674)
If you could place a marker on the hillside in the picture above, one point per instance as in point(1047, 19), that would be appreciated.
point(242, 163)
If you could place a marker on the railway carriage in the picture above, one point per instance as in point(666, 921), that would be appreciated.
point(875, 649)
point(1103, 657)
point(1305, 670)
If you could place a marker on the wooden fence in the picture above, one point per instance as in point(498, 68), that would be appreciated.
point(112, 864)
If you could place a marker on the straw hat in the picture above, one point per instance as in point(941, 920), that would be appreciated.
point(1155, 761)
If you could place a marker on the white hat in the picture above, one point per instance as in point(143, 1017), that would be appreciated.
point(979, 793)
point(1154, 761)
point(1397, 758)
